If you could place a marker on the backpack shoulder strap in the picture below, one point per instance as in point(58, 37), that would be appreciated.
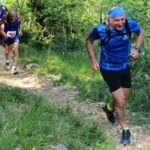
point(108, 33)
point(127, 28)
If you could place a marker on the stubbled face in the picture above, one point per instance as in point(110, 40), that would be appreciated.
point(12, 16)
point(117, 22)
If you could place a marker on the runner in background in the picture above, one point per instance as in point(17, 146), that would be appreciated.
point(11, 31)
point(3, 12)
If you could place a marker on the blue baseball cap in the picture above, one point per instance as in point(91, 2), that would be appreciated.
point(116, 11)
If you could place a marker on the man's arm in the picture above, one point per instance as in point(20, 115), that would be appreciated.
point(140, 38)
point(89, 45)
point(20, 25)
point(2, 24)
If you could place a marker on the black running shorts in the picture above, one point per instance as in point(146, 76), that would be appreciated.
point(117, 79)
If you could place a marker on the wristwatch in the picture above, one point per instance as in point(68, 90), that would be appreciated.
point(138, 49)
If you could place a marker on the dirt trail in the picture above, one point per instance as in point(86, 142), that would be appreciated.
point(62, 95)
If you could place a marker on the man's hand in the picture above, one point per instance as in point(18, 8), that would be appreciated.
point(135, 54)
point(95, 66)
point(20, 33)
point(4, 35)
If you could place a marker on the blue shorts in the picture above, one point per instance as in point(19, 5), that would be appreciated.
point(10, 41)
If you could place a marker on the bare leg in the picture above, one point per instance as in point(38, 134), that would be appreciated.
point(7, 51)
point(127, 92)
point(15, 53)
point(120, 96)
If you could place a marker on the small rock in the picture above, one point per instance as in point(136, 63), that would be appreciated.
point(33, 65)
point(60, 147)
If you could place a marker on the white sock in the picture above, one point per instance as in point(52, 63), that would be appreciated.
point(7, 61)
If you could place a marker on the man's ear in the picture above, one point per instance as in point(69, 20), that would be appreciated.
point(110, 20)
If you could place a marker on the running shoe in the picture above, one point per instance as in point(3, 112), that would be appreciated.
point(125, 139)
point(110, 114)
point(7, 65)
point(14, 71)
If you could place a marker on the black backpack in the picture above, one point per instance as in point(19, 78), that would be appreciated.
point(108, 32)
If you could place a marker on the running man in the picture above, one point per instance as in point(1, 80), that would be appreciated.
point(114, 65)
point(3, 12)
point(12, 30)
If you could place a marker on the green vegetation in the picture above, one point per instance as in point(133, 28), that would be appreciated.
point(53, 37)
point(29, 122)
point(74, 69)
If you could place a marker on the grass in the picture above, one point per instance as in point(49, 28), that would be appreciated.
point(73, 69)
point(29, 122)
